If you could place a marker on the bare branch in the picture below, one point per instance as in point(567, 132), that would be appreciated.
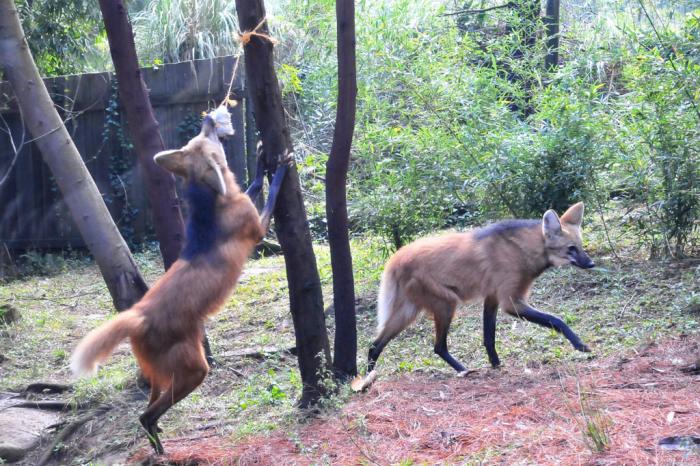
point(14, 148)
point(476, 12)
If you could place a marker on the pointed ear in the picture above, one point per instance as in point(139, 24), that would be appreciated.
point(551, 225)
point(172, 160)
point(214, 178)
point(574, 215)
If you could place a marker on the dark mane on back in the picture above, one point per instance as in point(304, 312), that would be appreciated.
point(201, 229)
point(504, 227)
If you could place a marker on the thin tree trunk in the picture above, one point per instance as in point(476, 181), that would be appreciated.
point(345, 345)
point(79, 191)
point(552, 29)
point(143, 128)
point(305, 297)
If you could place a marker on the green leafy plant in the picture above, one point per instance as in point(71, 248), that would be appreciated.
point(661, 137)
point(179, 30)
point(121, 173)
point(65, 36)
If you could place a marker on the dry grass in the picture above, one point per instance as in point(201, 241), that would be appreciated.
point(496, 417)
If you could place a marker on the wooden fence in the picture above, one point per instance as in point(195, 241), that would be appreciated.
point(32, 213)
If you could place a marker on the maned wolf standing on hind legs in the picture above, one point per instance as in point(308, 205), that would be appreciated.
point(166, 325)
point(497, 263)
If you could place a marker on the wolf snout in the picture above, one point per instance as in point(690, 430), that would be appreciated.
point(585, 263)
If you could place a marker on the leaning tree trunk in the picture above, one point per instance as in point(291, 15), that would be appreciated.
point(305, 297)
point(79, 191)
point(345, 345)
point(552, 28)
point(143, 128)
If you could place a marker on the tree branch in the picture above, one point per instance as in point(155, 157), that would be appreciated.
point(476, 12)
point(15, 147)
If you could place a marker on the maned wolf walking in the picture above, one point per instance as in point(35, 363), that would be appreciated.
point(497, 263)
point(166, 325)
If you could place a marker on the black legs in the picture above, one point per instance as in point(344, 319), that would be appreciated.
point(442, 326)
point(531, 314)
point(256, 186)
point(275, 185)
point(374, 351)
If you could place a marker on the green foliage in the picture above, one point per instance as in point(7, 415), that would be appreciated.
point(179, 30)
point(458, 121)
point(65, 36)
point(36, 263)
point(556, 165)
point(188, 128)
point(264, 392)
point(121, 170)
point(592, 420)
point(662, 137)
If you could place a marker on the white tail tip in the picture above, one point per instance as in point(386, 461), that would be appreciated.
point(80, 367)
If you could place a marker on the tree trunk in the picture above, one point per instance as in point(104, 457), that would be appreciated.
point(305, 297)
point(143, 128)
point(79, 191)
point(552, 29)
point(345, 345)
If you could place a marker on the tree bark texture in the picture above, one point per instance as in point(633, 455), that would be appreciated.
point(143, 128)
point(552, 29)
point(291, 226)
point(79, 191)
point(345, 344)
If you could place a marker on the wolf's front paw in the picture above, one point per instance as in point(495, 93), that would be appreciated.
point(582, 348)
point(286, 159)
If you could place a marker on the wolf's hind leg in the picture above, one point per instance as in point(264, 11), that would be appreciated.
point(526, 312)
point(393, 327)
point(443, 313)
point(183, 383)
point(376, 349)
point(402, 314)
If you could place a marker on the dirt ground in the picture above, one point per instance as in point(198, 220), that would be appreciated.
point(542, 415)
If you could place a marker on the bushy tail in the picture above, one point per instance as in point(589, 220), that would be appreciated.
point(100, 343)
point(393, 307)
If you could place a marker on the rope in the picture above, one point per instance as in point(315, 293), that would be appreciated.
point(227, 98)
point(245, 37)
